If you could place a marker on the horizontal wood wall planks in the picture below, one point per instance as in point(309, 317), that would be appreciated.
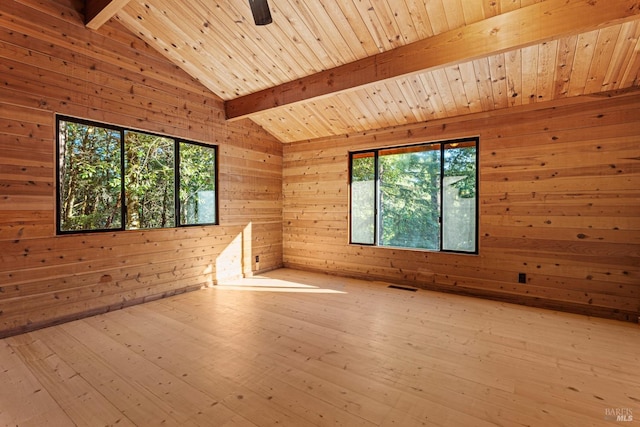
point(559, 181)
point(559, 200)
point(51, 64)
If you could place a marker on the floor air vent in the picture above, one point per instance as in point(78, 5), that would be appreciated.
point(403, 288)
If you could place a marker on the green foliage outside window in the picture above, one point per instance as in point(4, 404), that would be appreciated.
point(409, 193)
point(149, 180)
point(113, 179)
point(363, 177)
point(197, 184)
point(459, 228)
point(90, 177)
point(421, 197)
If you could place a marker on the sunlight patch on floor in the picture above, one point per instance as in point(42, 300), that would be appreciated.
point(267, 284)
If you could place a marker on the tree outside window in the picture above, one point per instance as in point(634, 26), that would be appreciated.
point(197, 184)
point(90, 177)
point(111, 178)
point(421, 196)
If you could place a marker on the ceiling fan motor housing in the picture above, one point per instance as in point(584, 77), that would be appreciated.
point(260, 11)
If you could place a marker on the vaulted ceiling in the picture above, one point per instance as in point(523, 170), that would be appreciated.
point(336, 67)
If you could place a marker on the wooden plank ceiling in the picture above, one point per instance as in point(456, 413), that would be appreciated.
point(336, 67)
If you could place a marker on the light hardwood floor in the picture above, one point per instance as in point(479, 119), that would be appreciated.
point(290, 348)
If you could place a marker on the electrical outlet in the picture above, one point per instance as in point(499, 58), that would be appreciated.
point(257, 259)
point(522, 277)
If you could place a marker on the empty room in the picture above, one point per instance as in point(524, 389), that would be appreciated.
point(319, 213)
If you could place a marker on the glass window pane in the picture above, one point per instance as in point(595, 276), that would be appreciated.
point(363, 198)
point(149, 181)
point(89, 177)
point(197, 184)
point(410, 197)
point(459, 197)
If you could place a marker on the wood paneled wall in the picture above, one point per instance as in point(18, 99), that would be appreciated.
point(49, 63)
point(559, 199)
point(559, 189)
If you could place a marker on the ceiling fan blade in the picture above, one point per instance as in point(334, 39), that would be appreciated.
point(261, 12)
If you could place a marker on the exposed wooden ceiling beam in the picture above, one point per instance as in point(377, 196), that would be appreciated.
point(523, 27)
point(97, 12)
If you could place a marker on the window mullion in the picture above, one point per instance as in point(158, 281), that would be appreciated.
point(176, 182)
point(123, 190)
point(440, 202)
point(377, 226)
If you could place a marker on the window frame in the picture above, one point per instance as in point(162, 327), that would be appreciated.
point(178, 182)
point(376, 152)
point(123, 206)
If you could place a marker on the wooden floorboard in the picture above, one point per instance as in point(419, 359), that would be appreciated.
point(292, 348)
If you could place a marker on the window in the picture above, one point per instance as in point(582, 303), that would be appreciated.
point(149, 180)
point(110, 178)
point(89, 177)
point(421, 196)
point(197, 184)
